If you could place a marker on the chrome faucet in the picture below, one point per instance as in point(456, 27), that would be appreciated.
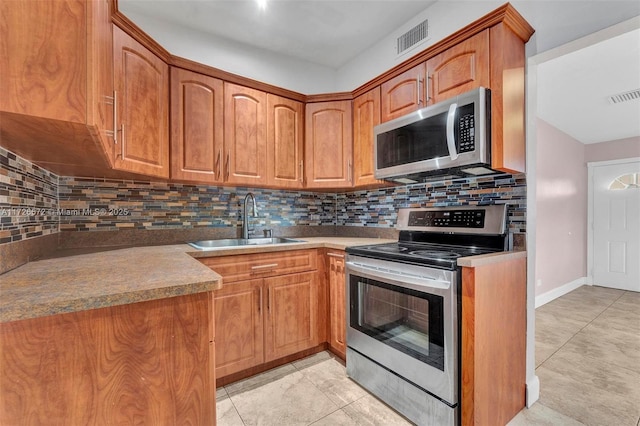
point(245, 217)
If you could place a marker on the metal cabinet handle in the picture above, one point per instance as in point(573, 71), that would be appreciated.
point(428, 84)
point(341, 256)
point(122, 140)
point(268, 299)
point(418, 83)
point(258, 267)
point(115, 117)
point(260, 301)
point(301, 171)
point(113, 100)
point(350, 171)
point(227, 172)
point(218, 165)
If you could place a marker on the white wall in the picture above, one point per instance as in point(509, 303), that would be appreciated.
point(561, 209)
point(613, 150)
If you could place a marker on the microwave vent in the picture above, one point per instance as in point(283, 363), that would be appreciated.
point(625, 97)
point(413, 37)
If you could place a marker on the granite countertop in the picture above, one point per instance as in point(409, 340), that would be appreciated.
point(81, 279)
point(98, 280)
point(486, 259)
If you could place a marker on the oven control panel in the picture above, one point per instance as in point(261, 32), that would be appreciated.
point(448, 219)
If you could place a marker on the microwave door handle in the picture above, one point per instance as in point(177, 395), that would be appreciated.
point(451, 140)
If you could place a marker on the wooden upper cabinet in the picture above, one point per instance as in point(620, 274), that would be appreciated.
point(508, 149)
point(328, 145)
point(403, 94)
point(57, 64)
point(142, 87)
point(285, 138)
point(100, 106)
point(245, 116)
point(459, 69)
point(197, 117)
point(366, 115)
point(44, 66)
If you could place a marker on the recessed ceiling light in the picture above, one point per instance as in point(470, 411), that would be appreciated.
point(262, 4)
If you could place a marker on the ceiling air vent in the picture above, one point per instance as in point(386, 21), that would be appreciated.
point(413, 37)
point(624, 97)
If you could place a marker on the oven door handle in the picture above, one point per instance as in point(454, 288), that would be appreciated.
point(396, 275)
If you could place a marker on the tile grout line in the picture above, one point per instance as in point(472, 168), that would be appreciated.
point(582, 328)
point(234, 407)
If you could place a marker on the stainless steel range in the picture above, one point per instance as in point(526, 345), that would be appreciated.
point(403, 304)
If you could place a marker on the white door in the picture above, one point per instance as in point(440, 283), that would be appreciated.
point(616, 226)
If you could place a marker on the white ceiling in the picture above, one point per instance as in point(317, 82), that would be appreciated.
point(325, 32)
point(574, 90)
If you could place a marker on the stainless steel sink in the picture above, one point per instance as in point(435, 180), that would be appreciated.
point(236, 242)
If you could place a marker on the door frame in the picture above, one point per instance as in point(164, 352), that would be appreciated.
point(590, 200)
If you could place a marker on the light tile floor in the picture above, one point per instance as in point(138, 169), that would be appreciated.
point(587, 359)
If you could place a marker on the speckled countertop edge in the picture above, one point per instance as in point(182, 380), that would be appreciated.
point(487, 259)
point(98, 280)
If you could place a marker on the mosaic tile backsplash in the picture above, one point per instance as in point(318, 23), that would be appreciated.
point(35, 202)
point(377, 208)
point(106, 204)
point(28, 199)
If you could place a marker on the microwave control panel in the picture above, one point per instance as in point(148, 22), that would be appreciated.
point(448, 219)
point(466, 129)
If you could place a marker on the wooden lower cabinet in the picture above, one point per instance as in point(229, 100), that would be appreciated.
point(494, 322)
point(291, 323)
point(274, 314)
point(337, 304)
point(239, 326)
point(143, 363)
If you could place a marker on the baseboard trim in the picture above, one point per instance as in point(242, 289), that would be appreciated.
point(533, 390)
point(547, 297)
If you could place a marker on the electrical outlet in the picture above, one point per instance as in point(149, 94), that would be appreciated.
point(539, 283)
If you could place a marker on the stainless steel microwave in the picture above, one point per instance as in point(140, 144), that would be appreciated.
point(452, 137)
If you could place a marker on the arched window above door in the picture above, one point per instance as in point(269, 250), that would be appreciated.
point(628, 181)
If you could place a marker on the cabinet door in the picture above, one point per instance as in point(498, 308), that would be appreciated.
point(291, 323)
point(196, 126)
point(100, 102)
point(238, 327)
point(245, 114)
point(366, 115)
point(459, 69)
point(142, 85)
point(337, 303)
point(329, 143)
point(403, 94)
point(284, 142)
point(44, 59)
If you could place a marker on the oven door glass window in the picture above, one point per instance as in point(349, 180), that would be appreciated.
point(407, 320)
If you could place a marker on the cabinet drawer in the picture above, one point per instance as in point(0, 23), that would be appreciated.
point(248, 266)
